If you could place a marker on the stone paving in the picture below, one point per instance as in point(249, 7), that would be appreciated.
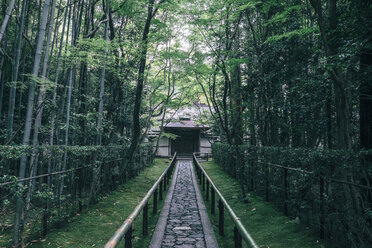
point(184, 227)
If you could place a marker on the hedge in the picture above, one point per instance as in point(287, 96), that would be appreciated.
point(91, 172)
point(328, 190)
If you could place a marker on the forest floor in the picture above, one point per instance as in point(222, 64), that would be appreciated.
point(95, 225)
point(267, 225)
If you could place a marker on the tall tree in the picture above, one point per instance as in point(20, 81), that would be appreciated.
point(151, 12)
point(17, 57)
point(92, 196)
point(6, 19)
point(28, 121)
point(40, 107)
point(340, 81)
point(365, 95)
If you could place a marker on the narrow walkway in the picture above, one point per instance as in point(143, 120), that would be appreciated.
point(184, 221)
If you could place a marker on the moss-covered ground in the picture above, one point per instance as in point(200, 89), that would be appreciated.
point(95, 225)
point(267, 225)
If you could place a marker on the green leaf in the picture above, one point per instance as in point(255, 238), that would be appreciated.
point(298, 32)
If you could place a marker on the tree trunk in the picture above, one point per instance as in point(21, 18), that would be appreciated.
point(6, 18)
point(1, 87)
point(71, 79)
point(252, 122)
point(141, 75)
point(237, 113)
point(54, 99)
point(17, 57)
point(365, 96)
point(96, 171)
point(170, 92)
point(328, 103)
point(40, 109)
point(365, 99)
point(68, 111)
point(102, 92)
point(55, 86)
point(28, 122)
point(330, 42)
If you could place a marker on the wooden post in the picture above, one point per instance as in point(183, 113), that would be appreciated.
point(213, 201)
point(164, 184)
point(237, 238)
point(155, 208)
point(207, 196)
point(200, 176)
point(161, 190)
point(128, 238)
point(221, 218)
point(286, 191)
point(145, 220)
point(203, 182)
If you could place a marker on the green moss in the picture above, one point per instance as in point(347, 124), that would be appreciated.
point(95, 226)
point(267, 225)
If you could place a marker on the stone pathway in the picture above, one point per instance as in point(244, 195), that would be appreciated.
point(187, 223)
point(184, 226)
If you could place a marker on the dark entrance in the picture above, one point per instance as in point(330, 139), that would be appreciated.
point(186, 143)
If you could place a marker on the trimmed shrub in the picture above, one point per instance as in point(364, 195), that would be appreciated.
point(325, 189)
point(54, 190)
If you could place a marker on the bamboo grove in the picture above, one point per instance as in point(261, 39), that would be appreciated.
point(76, 101)
point(81, 76)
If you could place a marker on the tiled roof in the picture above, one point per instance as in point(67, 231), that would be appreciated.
point(189, 124)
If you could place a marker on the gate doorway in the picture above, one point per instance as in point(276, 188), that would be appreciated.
point(186, 143)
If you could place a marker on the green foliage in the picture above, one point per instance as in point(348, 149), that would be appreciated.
point(127, 8)
point(85, 229)
point(262, 165)
point(284, 16)
point(108, 162)
point(45, 82)
point(14, 152)
point(93, 52)
point(250, 5)
point(266, 224)
point(263, 65)
point(298, 32)
point(171, 136)
point(20, 85)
